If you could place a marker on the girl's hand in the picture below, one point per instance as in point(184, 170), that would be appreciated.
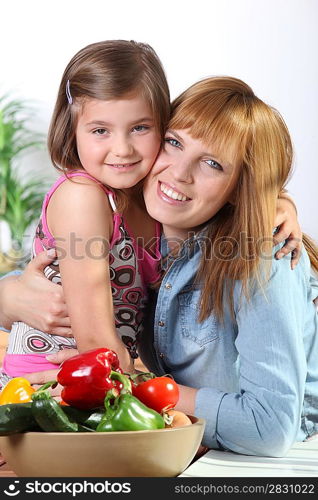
point(32, 298)
point(288, 231)
point(39, 378)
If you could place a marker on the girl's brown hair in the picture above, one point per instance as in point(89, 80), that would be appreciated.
point(225, 112)
point(105, 70)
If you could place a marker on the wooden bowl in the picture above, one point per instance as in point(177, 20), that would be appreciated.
point(159, 453)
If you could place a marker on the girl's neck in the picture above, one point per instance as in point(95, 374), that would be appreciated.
point(134, 194)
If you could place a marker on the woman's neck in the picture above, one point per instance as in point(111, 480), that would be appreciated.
point(176, 236)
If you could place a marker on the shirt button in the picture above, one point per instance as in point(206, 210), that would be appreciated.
point(161, 355)
point(168, 286)
point(161, 323)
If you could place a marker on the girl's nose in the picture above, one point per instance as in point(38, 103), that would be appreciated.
point(122, 147)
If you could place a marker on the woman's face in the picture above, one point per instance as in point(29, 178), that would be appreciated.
point(188, 184)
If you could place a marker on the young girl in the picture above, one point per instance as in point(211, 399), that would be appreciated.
point(106, 131)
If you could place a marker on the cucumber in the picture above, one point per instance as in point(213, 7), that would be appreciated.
point(15, 418)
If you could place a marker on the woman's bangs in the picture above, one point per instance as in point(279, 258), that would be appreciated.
point(222, 127)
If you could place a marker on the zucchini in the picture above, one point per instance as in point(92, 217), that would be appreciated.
point(87, 418)
point(49, 415)
point(15, 418)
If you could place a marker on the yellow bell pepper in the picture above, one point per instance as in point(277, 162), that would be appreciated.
point(17, 390)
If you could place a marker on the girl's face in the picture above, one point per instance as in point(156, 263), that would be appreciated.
point(188, 184)
point(117, 142)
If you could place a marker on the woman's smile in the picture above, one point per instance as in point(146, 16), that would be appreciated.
point(171, 194)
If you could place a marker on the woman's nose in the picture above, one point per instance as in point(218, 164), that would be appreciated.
point(182, 172)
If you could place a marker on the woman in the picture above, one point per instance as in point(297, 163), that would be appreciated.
point(239, 336)
point(237, 329)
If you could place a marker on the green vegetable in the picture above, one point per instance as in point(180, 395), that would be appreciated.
point(16, 417)
point(126, 413)
point(49, 414)
point(87, 418)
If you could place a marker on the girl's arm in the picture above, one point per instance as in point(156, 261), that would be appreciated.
point(80, 219)
point(31, 298)
point(289, 230)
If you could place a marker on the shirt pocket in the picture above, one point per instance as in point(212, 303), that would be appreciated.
point(189, 307)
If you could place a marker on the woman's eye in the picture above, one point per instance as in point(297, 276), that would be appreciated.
point(100, 131)
point(141, 128)
point(214, 164)
point(173, 142)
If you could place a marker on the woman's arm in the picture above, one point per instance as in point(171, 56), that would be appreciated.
point(263, 416)
point(80, 219)
point(6, 300)
point(31, 298)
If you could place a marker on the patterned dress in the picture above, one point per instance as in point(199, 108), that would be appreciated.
point(132, 269)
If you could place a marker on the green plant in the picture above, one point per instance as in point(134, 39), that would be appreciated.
point(20, 199)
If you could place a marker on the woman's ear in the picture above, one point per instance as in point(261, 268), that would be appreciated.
point(232, 198)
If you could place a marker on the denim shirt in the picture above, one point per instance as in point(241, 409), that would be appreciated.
point(257, 374)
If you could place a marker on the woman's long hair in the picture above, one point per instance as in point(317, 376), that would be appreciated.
point(226, 115)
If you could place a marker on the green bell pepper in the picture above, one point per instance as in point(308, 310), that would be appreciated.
point(124, 412)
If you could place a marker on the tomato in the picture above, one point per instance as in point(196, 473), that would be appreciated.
point(158, 393)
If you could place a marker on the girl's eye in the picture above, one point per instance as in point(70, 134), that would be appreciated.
point(214, 164)
point(100, 131)
point(173, 142)
point(141, 128)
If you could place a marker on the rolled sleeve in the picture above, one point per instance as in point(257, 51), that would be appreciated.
point(207, 405)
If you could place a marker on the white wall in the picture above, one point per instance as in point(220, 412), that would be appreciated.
point(271, 44)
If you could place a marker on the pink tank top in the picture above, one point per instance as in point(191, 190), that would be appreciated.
point(132, 268)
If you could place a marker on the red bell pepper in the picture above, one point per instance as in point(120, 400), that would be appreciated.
point(87, 377)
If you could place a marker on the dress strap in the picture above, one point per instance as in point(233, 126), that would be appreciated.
point(112, 201)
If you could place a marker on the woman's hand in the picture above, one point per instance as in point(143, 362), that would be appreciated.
point(288, 230)
point(35, 300)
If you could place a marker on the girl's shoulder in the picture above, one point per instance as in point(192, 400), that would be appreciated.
point(79, 177)
point(77, 184)
point(77, 201)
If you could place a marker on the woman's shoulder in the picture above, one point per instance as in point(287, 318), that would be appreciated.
point(276, 281)
point(282, 267)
